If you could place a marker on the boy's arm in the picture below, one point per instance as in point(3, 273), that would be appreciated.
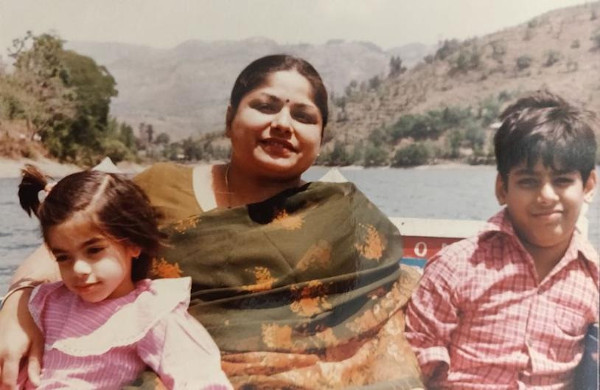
point(19, 336)
point(431, 317)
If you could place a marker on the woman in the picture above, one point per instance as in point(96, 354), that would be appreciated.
point(298, 283)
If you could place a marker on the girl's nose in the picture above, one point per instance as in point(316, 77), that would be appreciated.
point(82, 267)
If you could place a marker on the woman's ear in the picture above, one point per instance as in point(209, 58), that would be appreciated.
point(500, 190)
point(589, 187)
point(228, 119)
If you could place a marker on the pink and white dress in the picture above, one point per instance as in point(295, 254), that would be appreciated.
point(106, 345)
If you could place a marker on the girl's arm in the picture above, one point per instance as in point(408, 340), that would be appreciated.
point(19, 336)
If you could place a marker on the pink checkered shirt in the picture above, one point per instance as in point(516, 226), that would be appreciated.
point(481, 319)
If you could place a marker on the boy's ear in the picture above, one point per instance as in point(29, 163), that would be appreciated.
point(500, 190)
point(228, 120)
point(589, 187)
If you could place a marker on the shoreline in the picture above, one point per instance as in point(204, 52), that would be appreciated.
point(11, 168)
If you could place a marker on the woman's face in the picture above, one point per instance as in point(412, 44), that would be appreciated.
point(276, 131)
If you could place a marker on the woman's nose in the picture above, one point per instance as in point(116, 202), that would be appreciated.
point(282, 120)
point(81, 267)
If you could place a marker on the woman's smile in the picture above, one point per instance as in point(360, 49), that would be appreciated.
point(277, 146)
point(276, 130)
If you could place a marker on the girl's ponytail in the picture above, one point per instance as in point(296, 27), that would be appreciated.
point(33, 181)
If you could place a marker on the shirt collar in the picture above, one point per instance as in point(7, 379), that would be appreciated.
point(500, 223)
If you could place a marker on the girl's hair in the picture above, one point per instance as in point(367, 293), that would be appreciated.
point(118, 207)
point(256, 73)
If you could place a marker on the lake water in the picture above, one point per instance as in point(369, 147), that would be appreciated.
point(428, 192)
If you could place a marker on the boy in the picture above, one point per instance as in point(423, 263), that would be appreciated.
point(509, 309)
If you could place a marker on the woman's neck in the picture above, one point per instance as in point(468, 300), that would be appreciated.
point(235, 187)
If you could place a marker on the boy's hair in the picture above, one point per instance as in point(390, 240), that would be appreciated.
point(116, 205)
point(544, 127)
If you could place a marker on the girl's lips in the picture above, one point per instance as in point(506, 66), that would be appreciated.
point(83, 288)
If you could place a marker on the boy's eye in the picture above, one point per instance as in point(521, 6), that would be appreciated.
point(527, 182)
point(563, 181)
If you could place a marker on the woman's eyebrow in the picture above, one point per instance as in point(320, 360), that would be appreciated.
point(269, 96)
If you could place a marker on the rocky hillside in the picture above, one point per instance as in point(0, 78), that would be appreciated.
point(184, 90)
point(559, 50)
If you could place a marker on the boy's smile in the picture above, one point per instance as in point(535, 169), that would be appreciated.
point(544, 204)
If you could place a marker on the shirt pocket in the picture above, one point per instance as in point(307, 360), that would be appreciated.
point(570, 321)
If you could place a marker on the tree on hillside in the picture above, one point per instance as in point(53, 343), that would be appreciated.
point(37, 87)
point(65, 96)
point(396, 67)
point(94, 87)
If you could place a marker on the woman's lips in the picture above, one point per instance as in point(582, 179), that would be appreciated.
point(277, 145)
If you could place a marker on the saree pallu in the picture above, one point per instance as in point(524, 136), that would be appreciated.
point(301, 291)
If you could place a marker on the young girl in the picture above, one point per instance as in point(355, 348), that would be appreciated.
point(104, 322)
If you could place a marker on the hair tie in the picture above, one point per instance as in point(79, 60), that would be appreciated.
point(48, 187)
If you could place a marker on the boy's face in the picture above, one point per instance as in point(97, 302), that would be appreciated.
point(544, 204)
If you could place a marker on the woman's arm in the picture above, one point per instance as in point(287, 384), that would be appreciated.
point(19, 336)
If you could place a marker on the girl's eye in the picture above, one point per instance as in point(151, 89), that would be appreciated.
point(95, 250)
point(61, 258)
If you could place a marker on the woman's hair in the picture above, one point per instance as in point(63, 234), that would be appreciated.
point(256, 73)
point(544, 127)
point(117, 206)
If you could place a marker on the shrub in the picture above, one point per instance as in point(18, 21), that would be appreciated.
point(498, 50)
point(375, 156)
point(596, 38)
point(411, 155)
point(524, 62)
point(552, 57)
point(575, 44)
point(447, 48)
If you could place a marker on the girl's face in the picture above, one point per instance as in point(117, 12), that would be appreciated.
point(92, 265)
point(276, 131)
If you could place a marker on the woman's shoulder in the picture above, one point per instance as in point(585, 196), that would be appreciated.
point(165, 171)
point(170, 189)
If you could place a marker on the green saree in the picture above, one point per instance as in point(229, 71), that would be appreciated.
point(302, 290)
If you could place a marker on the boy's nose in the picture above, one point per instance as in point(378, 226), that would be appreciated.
point(81, 267)
point(547, 193)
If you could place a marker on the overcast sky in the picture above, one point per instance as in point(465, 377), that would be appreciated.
point(166, 23)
